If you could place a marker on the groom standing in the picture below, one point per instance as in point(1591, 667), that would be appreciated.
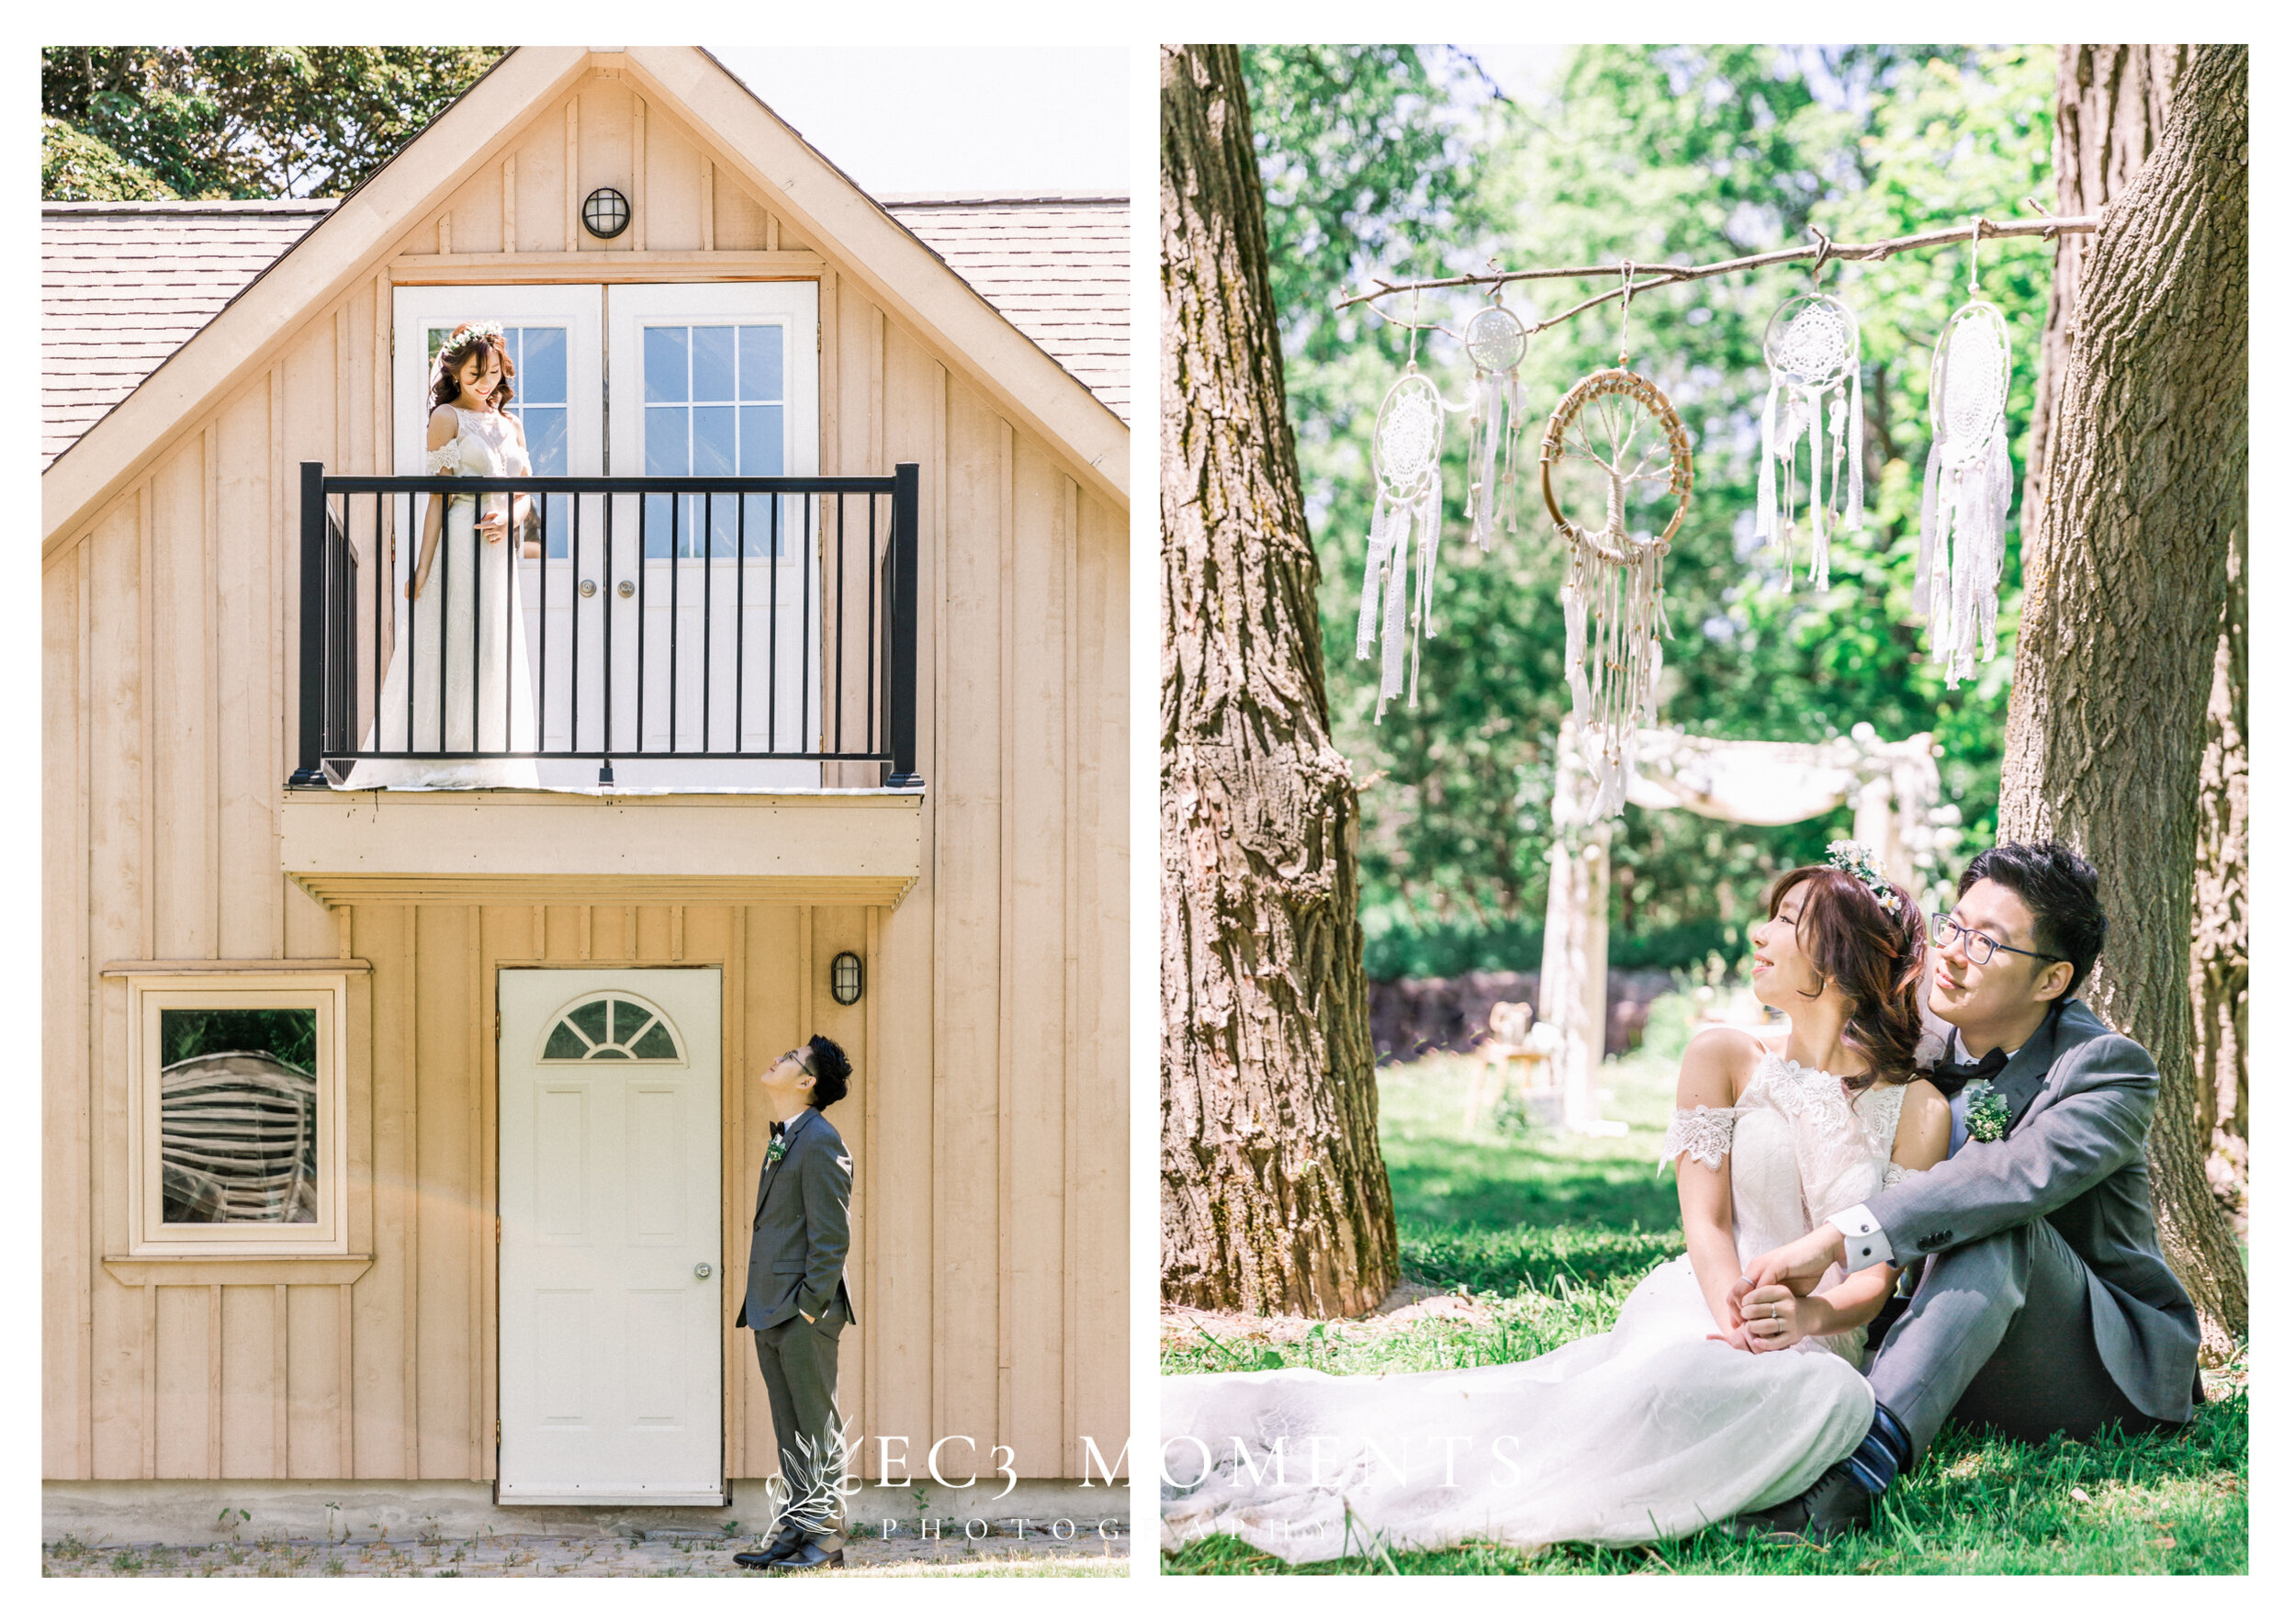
point(2041, 1301)
point(797, 1301)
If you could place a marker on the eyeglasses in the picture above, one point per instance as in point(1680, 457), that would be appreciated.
point(1944, 932)
point(803, 1055)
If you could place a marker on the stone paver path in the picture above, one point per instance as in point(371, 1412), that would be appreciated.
point(656, 1554)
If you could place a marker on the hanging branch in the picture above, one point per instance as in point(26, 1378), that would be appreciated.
point(1666, 274)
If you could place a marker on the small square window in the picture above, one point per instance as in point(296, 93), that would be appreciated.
point(237, 1114)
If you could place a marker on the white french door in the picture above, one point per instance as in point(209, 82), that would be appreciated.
point(725, 593)
point(610, 1378)
point(554, 338)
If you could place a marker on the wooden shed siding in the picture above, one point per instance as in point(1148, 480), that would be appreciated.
point(988, 1118)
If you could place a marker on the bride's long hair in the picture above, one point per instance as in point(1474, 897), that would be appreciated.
point(1875, 955)
point(464, 343)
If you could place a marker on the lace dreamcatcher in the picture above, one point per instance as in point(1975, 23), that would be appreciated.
point(1816, 392)
point(1406, 463)
point(1614, 470)
point(1965, 493)
point(1495, 343)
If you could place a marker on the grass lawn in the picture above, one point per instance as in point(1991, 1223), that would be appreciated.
point(1544, 1236)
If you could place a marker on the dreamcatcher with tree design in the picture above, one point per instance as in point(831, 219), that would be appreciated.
point(1966, 492)
point(1614, 470)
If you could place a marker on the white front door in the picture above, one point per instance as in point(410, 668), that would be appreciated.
point(610, 1378)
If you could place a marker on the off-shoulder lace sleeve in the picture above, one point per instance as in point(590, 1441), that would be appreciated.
point(1705, 1132)
point(447, 458)
point(1893, 1173)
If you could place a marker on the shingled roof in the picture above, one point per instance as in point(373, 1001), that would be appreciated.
point(124, 285)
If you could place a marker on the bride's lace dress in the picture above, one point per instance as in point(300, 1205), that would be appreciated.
point(487, 677)
point(1649, 1431)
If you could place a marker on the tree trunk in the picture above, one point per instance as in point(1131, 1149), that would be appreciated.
point(2112, 106)
point(1275, 1196)
point(2124, 594)
point(2220, 908)
point(2113, 103)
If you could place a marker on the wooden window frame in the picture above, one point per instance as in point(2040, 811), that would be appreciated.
point(329, 994)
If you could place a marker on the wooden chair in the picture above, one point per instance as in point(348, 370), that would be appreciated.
point(1516, 1038)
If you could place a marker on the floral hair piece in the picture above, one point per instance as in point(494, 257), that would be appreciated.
point(1850, 857)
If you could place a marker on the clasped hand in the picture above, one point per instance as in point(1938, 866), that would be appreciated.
point(1769, 1305)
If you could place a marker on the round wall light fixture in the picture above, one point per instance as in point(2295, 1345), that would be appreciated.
point(606, 212)
point(845, 978)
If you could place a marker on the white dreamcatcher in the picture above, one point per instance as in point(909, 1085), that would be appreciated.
point(1406, 463)
point(1495, 343)
point(1615, 446)
point(1816, 391)
point(1965, 493)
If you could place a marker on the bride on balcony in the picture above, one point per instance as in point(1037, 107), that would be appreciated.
point(465, 621)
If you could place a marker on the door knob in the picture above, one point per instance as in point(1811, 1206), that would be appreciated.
point(626, 590)
point(701, 1269)
point(590, 588)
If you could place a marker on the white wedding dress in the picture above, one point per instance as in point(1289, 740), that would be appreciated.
point(495, 678)
point(1649, 1431)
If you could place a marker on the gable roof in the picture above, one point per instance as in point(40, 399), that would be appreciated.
point(894, 266)
point(123, 286)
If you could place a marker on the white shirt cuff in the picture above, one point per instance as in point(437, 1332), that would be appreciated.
point(1863, 1242)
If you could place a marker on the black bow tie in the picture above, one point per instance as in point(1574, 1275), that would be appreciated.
point(1949, 1077)
point(777, 1127)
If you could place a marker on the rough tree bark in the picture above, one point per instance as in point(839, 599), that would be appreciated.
point(2220, 906)
point(1275, 1196)
point(2124, 592)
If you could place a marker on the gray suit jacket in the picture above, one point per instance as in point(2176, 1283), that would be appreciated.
point(800, 1233)
point(2080, 1101)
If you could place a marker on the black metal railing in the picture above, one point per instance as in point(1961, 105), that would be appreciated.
point(606, 618)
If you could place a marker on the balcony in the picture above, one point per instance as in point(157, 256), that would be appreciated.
point(670, 691)
point(693, 632)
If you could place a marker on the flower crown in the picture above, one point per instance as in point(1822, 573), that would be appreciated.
point(1848, 856)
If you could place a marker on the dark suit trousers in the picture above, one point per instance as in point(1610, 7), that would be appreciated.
point(1997, 1335)
point(799, 1362)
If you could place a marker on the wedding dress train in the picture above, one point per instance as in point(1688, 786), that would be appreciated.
point(487, 677)
point(1649, 1431)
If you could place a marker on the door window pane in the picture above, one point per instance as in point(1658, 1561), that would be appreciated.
point(713, 363)
point(762, 362)
point(664, 363)
point(239, 1116)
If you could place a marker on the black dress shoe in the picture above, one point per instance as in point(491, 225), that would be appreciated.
point(1835, 1505)
point(785, 1544)
point(810, 1556)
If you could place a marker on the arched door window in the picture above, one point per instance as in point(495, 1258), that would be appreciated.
point(613, 1028)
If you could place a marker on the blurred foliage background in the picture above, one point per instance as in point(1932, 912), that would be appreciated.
point(1411, 161)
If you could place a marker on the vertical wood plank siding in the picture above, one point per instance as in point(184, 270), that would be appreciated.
point(988, 1117)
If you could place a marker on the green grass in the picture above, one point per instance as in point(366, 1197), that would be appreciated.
point(1552, 1232)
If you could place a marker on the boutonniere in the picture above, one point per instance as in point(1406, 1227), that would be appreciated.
point(778, 1147)
point(1987, 1113)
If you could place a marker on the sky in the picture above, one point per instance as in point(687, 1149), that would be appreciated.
point(910, 118)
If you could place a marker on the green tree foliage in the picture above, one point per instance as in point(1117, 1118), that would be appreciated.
point(130, 122)
point(1649, 153)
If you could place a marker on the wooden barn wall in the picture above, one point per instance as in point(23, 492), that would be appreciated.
point(988, 1115)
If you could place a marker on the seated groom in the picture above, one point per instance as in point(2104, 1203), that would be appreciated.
point(2041, 1301)
point(797, 1302)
